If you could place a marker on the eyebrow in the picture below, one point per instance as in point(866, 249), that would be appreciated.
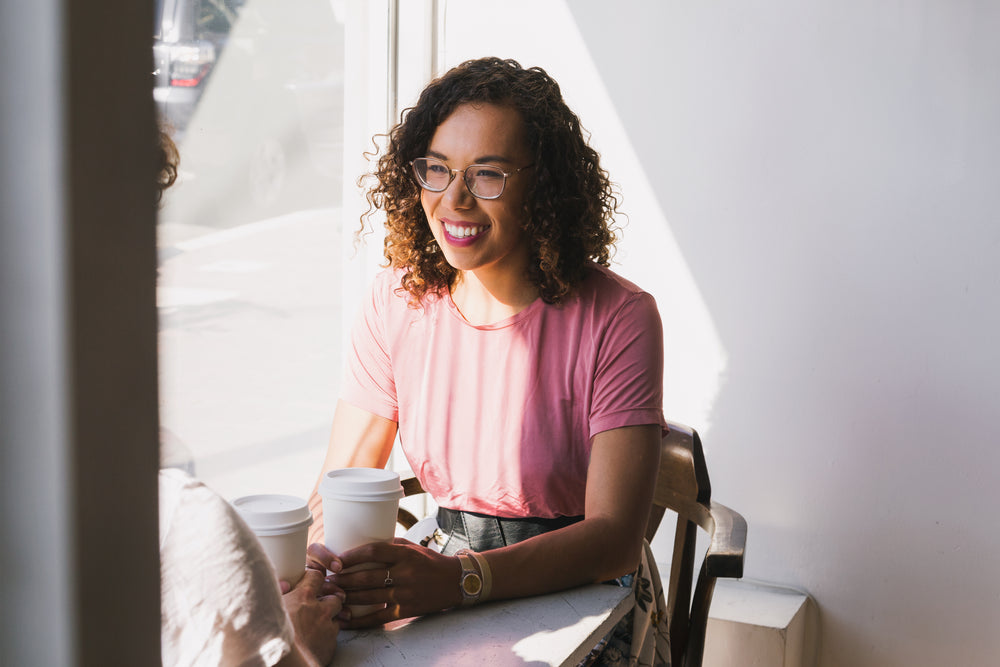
point(479, 160)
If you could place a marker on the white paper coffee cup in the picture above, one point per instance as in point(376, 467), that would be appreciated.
point(281, 523)
point(359, 507)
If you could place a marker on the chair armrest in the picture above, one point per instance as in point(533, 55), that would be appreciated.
point(411, 486)
point(727, 547)
point(405, 518)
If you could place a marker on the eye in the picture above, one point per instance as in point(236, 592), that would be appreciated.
point(489, 174)
point(437, 168)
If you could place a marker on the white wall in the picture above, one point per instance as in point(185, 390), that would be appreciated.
point(812, 192)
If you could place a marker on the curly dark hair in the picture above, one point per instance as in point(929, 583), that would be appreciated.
point(167, 159)
point(570, 204)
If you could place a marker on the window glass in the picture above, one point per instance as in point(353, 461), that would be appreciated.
point(249, 238)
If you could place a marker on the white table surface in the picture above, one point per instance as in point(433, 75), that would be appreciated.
point(555, 629)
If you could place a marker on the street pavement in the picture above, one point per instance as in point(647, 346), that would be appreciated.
point(250, 328)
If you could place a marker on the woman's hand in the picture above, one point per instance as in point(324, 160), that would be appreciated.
point(410, 579)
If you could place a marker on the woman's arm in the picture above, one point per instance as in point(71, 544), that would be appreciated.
point(358, 439)
point(606, 544)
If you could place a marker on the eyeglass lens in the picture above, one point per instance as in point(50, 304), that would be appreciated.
point(482, 180)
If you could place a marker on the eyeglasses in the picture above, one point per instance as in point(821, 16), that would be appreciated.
point(484, 181)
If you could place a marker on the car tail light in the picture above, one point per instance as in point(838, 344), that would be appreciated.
point(190, 63)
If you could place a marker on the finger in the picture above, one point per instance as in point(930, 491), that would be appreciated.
point(380, 552)
point(330, 587)
point(381, 617)
point(364, 575)
point(384, 552)
point(353, 581)
point(330, 605)
point(319, 557)
point(369, 596)
point(319, 552)
point(334, 603)
point(376, 590)
point(284, 586)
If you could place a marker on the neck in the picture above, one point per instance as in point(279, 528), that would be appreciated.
point(484, 299)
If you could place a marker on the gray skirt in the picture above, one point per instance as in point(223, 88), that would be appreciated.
point(480, 532)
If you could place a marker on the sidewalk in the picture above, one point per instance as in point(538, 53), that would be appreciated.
point(250, 329)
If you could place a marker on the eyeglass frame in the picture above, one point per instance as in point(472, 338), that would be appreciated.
point(454, 172)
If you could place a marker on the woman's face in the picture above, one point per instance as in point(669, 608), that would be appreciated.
point(481, 235)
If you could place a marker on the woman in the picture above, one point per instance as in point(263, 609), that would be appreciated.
point(523, 377)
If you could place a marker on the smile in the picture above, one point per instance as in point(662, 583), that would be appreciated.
point(462, 234)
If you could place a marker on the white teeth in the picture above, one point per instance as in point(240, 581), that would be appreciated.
point(460, 232)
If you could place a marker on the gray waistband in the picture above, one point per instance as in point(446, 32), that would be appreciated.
point(479, 532)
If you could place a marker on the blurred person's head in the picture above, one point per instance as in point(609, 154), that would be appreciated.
point(173, 452)
point(566, 199)
point(167, 159)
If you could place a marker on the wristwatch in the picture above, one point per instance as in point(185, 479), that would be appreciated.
point(471, 582)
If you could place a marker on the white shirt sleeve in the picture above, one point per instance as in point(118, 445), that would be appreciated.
point(220, 601)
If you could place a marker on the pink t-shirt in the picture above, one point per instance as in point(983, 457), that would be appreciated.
point(498, 419)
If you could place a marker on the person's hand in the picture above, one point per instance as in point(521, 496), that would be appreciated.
point(420, 581)
point(313, 616)
point(318, 557)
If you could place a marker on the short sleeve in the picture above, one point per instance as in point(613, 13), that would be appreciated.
point(220, 601)
point(369, 383)
point(628, 376)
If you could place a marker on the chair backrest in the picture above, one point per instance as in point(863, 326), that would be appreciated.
point(683, 486)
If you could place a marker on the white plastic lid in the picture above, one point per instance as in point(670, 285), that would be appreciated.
point(272, 514)
point(361, 484)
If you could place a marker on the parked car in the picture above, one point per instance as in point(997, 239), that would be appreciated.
point(254, 92)
point(189, 36)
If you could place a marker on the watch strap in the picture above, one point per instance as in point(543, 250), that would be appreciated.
point(471, 582)
point(485, 572)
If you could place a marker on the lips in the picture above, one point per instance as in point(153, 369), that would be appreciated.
point(462, 233)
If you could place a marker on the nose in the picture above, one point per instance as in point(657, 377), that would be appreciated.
point(457, 195)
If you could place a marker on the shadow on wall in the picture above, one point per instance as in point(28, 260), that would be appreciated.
point(827, 175)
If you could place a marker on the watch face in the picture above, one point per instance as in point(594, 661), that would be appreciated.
point(472, 584)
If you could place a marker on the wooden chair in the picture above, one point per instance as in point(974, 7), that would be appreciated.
point(682, 486)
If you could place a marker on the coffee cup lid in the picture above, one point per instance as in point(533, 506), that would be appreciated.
point(362, 484)
point(273, 514)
